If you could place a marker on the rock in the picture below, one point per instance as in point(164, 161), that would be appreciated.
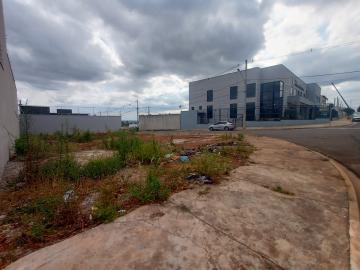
point(2, 217)
point(69, 195)
point(87, 205)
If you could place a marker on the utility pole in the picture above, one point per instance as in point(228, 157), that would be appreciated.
point(244, 111)
point(137, 111)
point(347, 105)
point(148, 110)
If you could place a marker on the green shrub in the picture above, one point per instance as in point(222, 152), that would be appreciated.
point(35, 145)
point(149, 152)
point(37, 231)
point(105, 210)
point(21, 146)
point(105, 213)
point(101, 167)
point(153, 190)
point(44, 208)
point(244, 150)
point(210, 164)
point(65, 168)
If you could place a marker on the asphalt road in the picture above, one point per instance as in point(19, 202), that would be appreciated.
point(339, 143)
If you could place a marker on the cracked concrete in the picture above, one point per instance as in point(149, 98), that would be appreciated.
point(239, 224)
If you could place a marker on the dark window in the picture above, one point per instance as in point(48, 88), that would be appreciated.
point(192, 108)
point(251, 90)
point(200, 108)
point(270, 100)
point(209, 95)
point(210, 112)
point(233, 110)
point(250, 111)
point(233, 92)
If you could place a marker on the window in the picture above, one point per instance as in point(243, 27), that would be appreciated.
point(233, 92)
point(210, 112)
point(200, 108)
point(209, 95)
point(250, 90)
point(233, 110)
point(192, 108)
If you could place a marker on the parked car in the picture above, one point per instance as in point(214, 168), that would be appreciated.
point(356, 117)
point(222, 125)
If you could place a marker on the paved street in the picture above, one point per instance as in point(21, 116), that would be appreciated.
point(340, 143)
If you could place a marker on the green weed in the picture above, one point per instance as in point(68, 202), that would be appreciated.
point(210, 164)
point(101, 167)
point(153, 190)
point(105, 207)
point(64, 168)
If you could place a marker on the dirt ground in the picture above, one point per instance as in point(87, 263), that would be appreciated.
point(287, 209)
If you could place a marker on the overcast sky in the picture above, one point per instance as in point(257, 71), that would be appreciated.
point(109, 52)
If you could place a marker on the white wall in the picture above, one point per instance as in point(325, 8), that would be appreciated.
point(9, 124)
point(50, 123)
point(221, 87)
point(159, 122)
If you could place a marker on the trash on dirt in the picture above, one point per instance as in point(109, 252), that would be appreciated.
point(184, 158)
point(167, 156)
point(203, 179)
point(69, 195)
point(88, 203)
point(122, 211)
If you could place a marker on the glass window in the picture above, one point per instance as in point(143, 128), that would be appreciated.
point(200, 108)
point(210, 112)
point(233, 110)
point(233, 92)
point(251, 90)
point(192, 108)
point(209, 95)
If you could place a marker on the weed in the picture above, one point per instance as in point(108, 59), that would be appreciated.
point(227, 136)
point(240, 137)
point(153, 190)
point(37, 231)
point(210, 164)
point(283, 191)
point(64, 168)
point(244, 150)
point(149, 152)
point(105, 210)
point(101, 167)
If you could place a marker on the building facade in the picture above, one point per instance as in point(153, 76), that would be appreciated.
point(9, 124)
point(258, 94)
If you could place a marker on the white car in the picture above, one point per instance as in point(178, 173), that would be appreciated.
point(356, 117)
point(222, 125)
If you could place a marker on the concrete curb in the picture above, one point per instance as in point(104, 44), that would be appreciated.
point(354, 217)
point(354, 213)
point(327, 125)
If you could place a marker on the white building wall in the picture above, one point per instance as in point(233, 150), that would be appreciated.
point(51, 123)
point(159, 122)
point(221, 88)
point(9, 124)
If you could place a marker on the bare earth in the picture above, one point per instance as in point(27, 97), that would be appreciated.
point(239, 224)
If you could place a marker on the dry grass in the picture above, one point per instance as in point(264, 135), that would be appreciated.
point(138, 174)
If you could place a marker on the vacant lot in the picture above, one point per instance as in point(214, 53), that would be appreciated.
point(59, 185)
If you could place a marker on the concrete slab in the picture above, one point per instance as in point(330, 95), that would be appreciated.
point(240, 224)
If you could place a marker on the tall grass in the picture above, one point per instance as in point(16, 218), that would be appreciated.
point(210, 164)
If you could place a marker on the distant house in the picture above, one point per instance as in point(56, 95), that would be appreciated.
point(272, 92)
point(9, 124)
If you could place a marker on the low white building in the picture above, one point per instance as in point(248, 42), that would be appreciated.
point(9, 124)
point(270, 93)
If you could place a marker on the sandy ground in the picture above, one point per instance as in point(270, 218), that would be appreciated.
point(239, 224)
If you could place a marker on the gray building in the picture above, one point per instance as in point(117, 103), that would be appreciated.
point(9, 124)
point(270, 93)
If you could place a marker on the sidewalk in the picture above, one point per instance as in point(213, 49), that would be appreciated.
point(336, 123)
point(288, 209)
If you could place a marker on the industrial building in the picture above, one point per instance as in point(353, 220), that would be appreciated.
point(9, 124)
point(270, 93)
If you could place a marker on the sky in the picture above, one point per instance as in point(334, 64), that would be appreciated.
point(107, 54)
